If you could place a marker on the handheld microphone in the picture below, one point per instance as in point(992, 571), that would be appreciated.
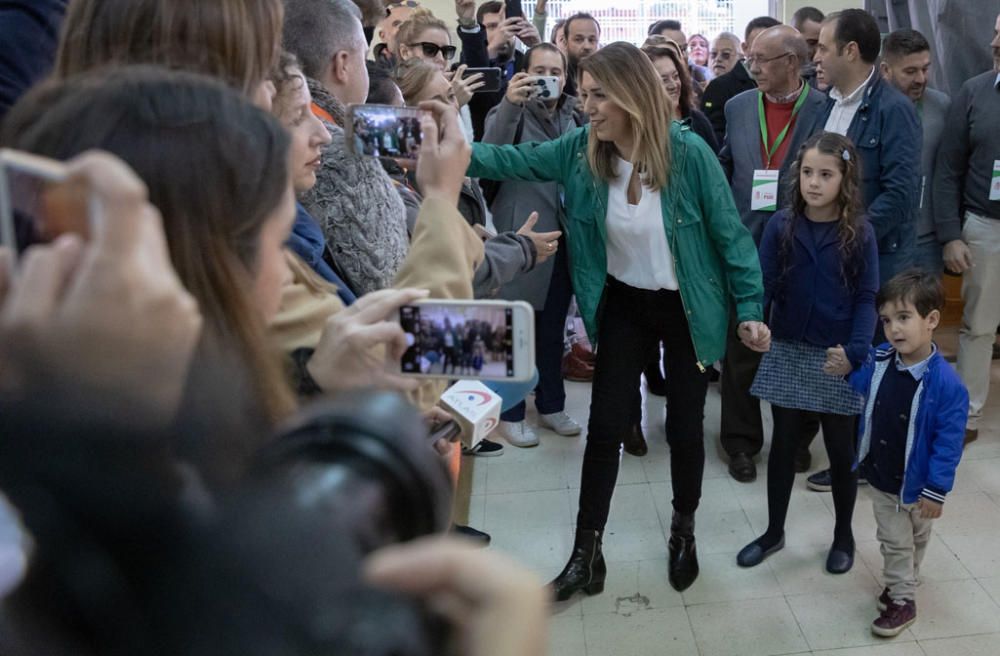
point(475, 409)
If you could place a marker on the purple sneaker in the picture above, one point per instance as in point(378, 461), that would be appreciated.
point(895, 618)
point(883, 600)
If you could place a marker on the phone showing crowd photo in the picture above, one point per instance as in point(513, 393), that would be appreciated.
point(492, 78)
point(38, 201)
point(384, 131)
point(484, 340)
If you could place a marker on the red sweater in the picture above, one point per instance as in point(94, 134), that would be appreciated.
point(777, 115)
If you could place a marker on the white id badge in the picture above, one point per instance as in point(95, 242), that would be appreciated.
point(764, 193)
point(995, 181)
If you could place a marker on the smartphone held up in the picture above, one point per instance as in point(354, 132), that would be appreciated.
point(484, 340)
point(384, 131)
point(39, 201)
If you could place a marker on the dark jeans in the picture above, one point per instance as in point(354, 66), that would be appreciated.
point(631, 322)
point(838, 436)
point(550, 333)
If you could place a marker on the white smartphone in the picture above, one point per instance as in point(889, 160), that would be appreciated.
point(479, 340)
point(37, 191)
point(546, 87)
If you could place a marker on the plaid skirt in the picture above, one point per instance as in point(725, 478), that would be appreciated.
point(791, 376)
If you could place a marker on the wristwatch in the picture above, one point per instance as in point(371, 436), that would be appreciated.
point(470, 24)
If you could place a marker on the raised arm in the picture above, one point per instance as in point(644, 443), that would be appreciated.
point(547, 161)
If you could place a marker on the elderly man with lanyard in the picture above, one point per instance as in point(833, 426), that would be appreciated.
point(765, 127)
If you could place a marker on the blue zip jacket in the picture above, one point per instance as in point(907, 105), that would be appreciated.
point(307, 241)
point(812, 304)
point(936, 434)
point(888, 137)
point(29, 32)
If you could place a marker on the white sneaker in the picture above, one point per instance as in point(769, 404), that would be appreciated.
point(518, 433)
point(561, 423)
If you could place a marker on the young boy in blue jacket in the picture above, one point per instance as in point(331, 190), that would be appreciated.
point(910, 435)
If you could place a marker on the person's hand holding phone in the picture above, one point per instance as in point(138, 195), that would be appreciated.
point(528, 34)
point(521, 88)
point(465, 87)
point(546, 243)
point(482, 593)
point(358, 341)
point(444, 154)
point(109, 317)
point(502, 36)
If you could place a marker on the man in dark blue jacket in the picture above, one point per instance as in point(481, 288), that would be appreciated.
point(883, 125)
point(29, 32)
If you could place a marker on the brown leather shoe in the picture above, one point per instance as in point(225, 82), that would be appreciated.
point(577, 370)
point(583, 352)
point(971, 435)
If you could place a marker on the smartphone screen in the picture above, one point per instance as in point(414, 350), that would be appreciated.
point(385, 131)
point(492, 79)
point(459, 340)
point(37, 201)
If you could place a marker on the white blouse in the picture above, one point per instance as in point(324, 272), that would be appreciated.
point(637, 249)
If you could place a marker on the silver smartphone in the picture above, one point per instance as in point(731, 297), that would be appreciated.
point(481, 340)
point(37, 193)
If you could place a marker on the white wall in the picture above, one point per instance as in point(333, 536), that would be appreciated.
point(788, 7)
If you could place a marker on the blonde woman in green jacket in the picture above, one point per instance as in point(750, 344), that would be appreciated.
point(657, 252)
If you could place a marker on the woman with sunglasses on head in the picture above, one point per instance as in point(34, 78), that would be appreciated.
point(658, 252)
point(424, 36)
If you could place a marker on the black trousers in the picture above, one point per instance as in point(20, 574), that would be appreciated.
point(550, 334)
point(631, 323)
point(838, 436)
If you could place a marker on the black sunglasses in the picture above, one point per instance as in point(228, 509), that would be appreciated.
point(432, 49)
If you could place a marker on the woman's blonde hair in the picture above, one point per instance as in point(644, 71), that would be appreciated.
point(629, 80)
point(413, 76)
point(419, 21)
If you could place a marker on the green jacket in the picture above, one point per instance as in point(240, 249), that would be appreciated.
point(714, 254)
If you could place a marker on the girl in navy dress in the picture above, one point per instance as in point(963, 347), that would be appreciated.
point(819, 258)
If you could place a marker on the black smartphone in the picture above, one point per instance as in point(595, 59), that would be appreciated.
point(384, 131)
point(492, 78)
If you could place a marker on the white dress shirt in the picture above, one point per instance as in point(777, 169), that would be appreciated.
point(846, 107)
point(637, 249)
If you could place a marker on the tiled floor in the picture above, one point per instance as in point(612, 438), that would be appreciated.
point(788, 605)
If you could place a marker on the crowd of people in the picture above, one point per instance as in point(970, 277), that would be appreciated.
point(203, 444)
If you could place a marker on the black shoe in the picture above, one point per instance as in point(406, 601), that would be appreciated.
point(585, 570)
point(803, 460)
point(484, 449)
point(472, 534)
point(821, 481)
point(655, 382)
point(742, 468)
point(840, 561)
point(683, 558)
point(754, 553)
point(635, 442)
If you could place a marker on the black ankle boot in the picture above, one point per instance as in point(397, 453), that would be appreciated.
point(585, 570)
point(635, 441)
point(683, 563)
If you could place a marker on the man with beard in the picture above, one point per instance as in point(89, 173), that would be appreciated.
point(906, 62)
point(583, 37)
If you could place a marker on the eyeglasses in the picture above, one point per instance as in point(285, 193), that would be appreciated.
point(721, 54)
point(411, 4)
point(751, 60)
point(432, 49)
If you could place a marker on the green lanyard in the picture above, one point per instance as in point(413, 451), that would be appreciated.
point(801, 100)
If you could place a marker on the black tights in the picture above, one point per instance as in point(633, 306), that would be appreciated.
point(838, 436)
